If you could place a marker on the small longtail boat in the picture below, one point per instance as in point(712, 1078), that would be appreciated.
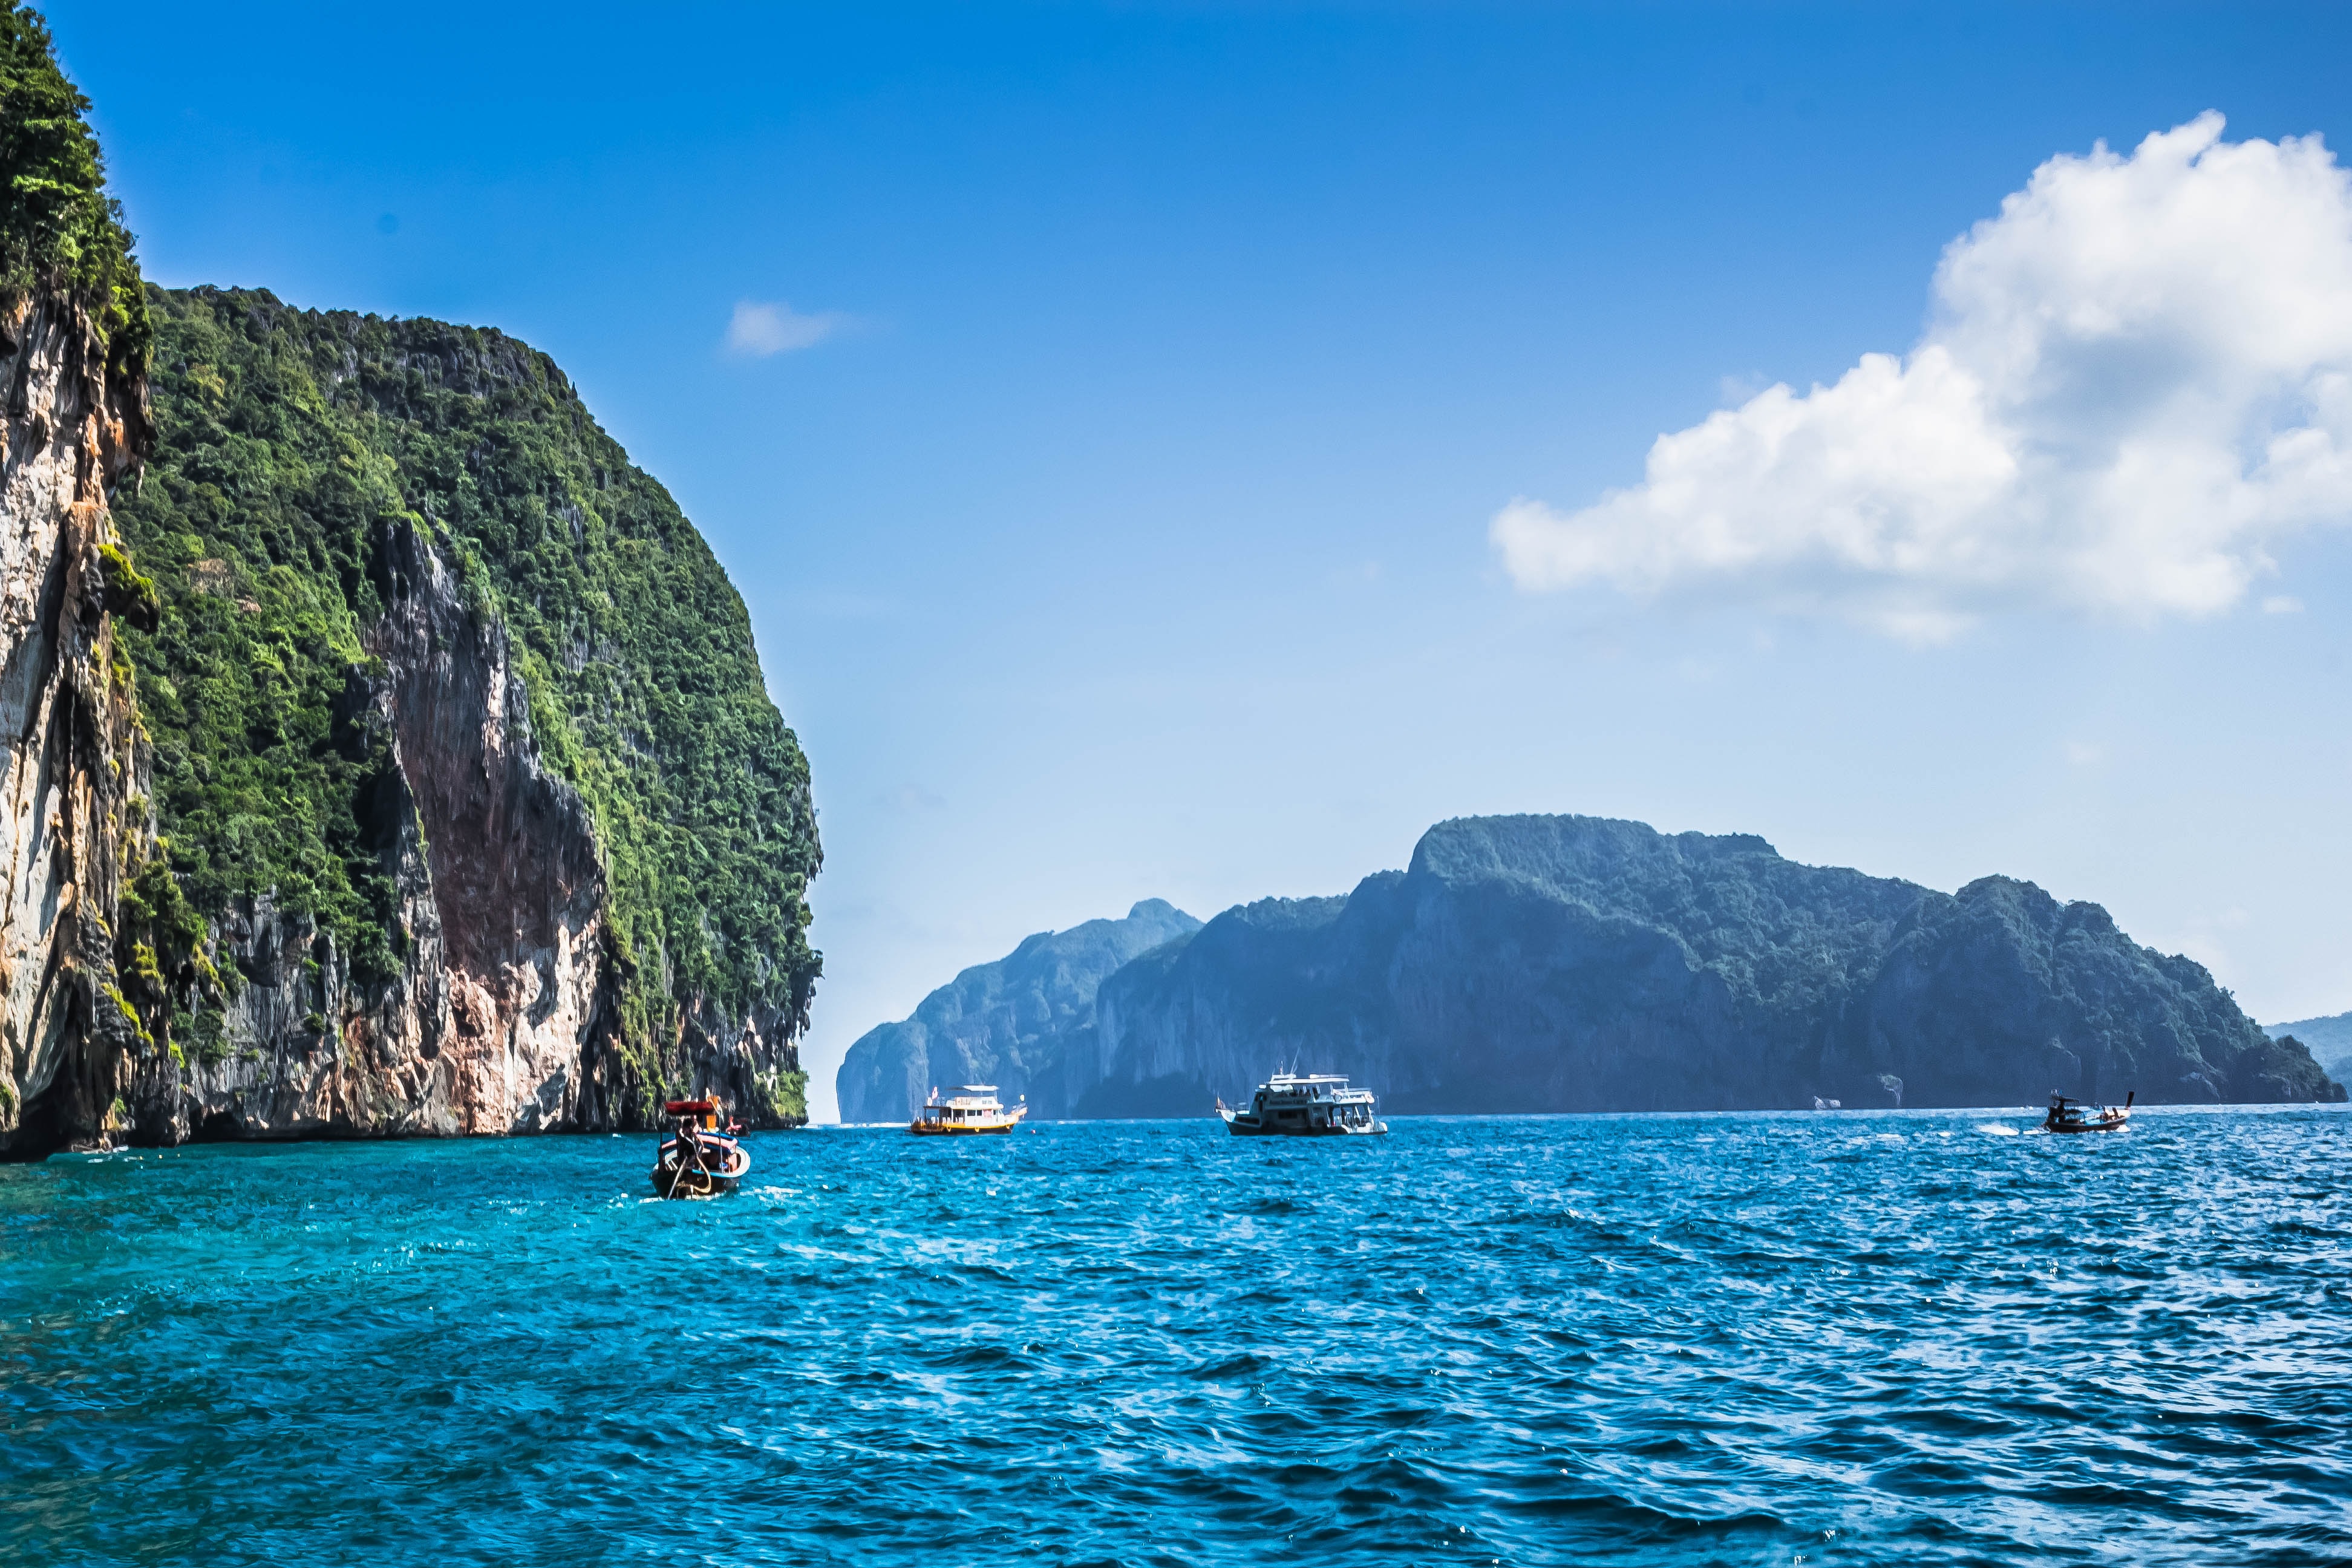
point(701, 1158)
point(2075, 1116)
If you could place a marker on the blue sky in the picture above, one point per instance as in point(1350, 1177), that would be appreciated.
point(1125, 532)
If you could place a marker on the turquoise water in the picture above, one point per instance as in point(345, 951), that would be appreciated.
point(1904, 1338)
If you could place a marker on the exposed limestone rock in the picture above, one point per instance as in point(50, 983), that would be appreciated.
point(999, 1023)
point(72, 779)
point(501, 1018)
point(516, 891)
point(1564, 964)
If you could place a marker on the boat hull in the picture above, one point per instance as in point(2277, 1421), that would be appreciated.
point(720, 1170)
point(975, 1113)
point(1240, 1124)
point(2102, 1124)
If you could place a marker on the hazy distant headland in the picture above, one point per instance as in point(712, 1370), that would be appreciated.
point(1000, 1023)
point(1574, 963)
point(2330, 1039)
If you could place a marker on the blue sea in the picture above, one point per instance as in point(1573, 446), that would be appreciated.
point(1817, 1338)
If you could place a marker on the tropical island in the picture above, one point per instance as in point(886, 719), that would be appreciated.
point(1574, 963)
point(388, 755)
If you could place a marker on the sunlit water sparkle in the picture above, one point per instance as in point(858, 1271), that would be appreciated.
point(1819, 1338)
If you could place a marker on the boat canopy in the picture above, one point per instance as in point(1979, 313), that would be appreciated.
point(1313, 1087)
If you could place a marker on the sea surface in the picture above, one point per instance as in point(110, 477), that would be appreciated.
point(1820, 1339)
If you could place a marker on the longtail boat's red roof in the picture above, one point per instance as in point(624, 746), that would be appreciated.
point(690, 1107)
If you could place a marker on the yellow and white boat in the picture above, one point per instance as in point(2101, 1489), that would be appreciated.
point(968, 1108)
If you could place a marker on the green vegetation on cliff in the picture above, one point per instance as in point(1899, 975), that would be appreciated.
point(57, 226)
point(291, 439)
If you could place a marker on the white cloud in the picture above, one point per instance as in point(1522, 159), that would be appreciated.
point(759, 331)
point(2136, 379)
point(2282, 604)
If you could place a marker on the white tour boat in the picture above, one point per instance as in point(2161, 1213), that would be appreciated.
point(1314, 1105)
point(968, 1108)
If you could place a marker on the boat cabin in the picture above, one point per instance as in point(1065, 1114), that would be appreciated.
point(968, 1108)
point(1318, 1102)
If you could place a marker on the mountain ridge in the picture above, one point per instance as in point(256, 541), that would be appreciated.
point(2328, 1038)
point(1581, 964)
point(997, 1021)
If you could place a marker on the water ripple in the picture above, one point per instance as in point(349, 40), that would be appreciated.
point(1848, 1339)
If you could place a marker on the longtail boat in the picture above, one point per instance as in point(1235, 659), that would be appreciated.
point(2076, 1116)
point(700, 1158)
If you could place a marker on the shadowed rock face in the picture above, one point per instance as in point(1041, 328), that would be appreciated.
point(499, 1018)
point(1563, 963)
point(2329, 1040)
point(71, 774)
point(991, 1023)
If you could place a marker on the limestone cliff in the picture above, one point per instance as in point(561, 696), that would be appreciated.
point(72, 811)
point(997, 1023)
point(474, 817)
point(70, 799)
point(1571, 964)
point(500, 1018)
point(390, 756)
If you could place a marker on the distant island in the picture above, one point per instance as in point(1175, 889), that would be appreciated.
point(2330, 1039)
point(1003, 1023)
point(1574, 963)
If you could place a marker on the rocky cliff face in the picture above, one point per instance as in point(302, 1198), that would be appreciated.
point(518, 890)
point(503, 1016)
point(996, 1022)
point(2329, 1040)
point(1569, 963)
point(391, 757)
point(500, 1018)
point(72, 808)
point(475, 818)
